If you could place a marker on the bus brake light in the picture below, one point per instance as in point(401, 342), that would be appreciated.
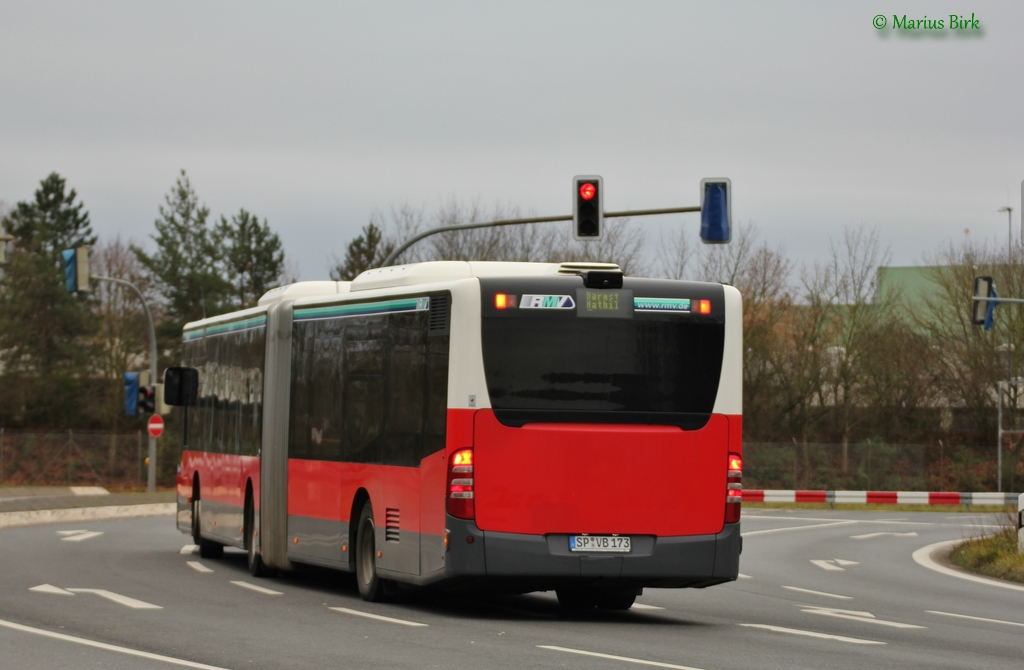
point(734, 488)
point(704, 306)
point(460, 485)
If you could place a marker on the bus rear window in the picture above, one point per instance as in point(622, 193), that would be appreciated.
point(552, 366)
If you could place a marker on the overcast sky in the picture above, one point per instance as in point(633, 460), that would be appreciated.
point(316, 114)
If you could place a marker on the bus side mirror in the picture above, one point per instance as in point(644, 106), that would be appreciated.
point(181, 387)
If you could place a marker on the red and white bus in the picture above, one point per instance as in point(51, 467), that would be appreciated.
point(510, 426)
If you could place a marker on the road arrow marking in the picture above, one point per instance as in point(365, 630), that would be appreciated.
point(119, 599)
point(809, 633)
point(82, 536)
point(50, 588)
point(827, 565)
point(868, 536)
point(852, 615)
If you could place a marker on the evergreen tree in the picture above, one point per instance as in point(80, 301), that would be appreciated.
point(365, 252)
point(253, 257)
point(186, 265)
point(45, 352)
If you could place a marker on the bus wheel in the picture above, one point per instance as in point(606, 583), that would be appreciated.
point(207, 548)
point(256, 565)
point(371, 587)
point(615, 599)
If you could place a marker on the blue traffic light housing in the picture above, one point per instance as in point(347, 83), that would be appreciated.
point(131, 393)
point(716, 211)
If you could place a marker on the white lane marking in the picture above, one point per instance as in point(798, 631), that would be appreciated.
point(809, 633)
point(108, 647)
point(378, 617)
point(881, 521)
point(818, 593)
point(257, 589)
point(624, 659)
point(641, 606)
point(82, 536)
point(743, 576)
point(975, 618)
point(50, 588)
point(787, 528)
point(923, 556)
point(827, 565)
point(197, 566)
point(844, 562)
point(119, 599)
point(71, 532)
point(852, 615)
point(868, 536)
point(189, 549)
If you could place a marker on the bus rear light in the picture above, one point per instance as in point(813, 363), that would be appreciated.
point(734, 488)
point(704, 306)
point(503, 300)
point(460, 485)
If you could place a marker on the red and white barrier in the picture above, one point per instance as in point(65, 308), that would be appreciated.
point(880, 497)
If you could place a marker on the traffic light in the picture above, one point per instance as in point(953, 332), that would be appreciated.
point(715, 211)
point(147, 399)
point(587, 207)
point(76, 269)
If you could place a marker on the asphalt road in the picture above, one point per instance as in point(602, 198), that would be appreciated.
point(823, 590)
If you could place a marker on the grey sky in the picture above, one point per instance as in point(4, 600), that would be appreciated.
point(315, 114)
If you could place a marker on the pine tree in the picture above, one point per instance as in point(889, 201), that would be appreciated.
point(45, 351)
point(365, 252)
point(186, 265)
point(253, 257)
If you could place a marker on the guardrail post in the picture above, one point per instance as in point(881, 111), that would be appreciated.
point(1020, 523)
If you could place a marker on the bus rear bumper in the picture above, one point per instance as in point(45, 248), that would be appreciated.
point(546, 562)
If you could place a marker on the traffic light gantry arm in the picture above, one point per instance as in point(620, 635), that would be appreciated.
point(400, 249)
point(151, 470)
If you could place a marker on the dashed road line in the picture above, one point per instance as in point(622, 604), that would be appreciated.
point(743, 576)
point(119, 599)
point(624, 659)
point(378, 617)
point(82, 536)
point(641, 606)
point(189, 549)
point(108, 647)
point(827, 565)
point(868, 536)
point(198, 567)
point(975, 618)
point(810, 633)
point(818, 593)
point(257, 589)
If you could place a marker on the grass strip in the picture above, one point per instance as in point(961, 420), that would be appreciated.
point(992, 556)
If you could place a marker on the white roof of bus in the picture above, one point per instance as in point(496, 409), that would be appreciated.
point(431, 272)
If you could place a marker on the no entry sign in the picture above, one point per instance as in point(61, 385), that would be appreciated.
point(155, 425)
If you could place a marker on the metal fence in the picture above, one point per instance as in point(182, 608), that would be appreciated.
point(72, 458)
point(877, 467)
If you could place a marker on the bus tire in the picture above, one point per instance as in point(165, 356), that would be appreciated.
point(207, 548)
point(256, 565)
point(371, 586)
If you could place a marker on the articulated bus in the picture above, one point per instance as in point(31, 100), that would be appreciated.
point(513, 427)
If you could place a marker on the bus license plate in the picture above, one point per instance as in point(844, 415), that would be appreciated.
point(610, 543)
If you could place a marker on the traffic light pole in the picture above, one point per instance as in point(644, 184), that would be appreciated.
point(151, 470)
point(393, 256)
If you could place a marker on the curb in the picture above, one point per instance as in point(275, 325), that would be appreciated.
point(923, 556)
point(33, 517)
point(880, 497)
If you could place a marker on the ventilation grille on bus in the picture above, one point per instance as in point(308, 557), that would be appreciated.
point(439, 314)
point(391, 524)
